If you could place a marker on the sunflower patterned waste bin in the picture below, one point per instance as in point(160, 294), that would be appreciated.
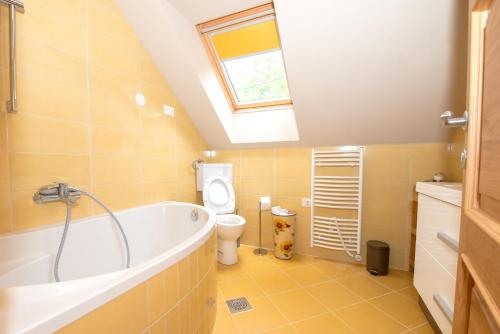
point(284, 232)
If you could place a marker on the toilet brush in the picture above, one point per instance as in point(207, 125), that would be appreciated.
point(264, 204)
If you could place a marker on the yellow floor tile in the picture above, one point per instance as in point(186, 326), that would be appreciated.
point(322, 324)
point(281, 330)
point(263, 316)
point(337, 269)
point(365, 318)
point(294, 262)
point(260, 265)
point(307, 275)
point(363, 286)
point(245, 253)
point(220, 298)
point(424, 329)
point(401, 308)
point(228, 273)
point(297, 304)
point(275, 282)
point(294, 296)
point(397, 279)
point(333, 295)
point(245, 287)
point(224, 324)
point(410, 292)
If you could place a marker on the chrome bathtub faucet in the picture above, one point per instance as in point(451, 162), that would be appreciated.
point(57, 192)
point(63, 192)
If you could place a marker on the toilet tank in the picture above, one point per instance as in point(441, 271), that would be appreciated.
point(206, 170)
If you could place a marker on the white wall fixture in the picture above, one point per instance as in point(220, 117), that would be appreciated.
point(210, 154)
point(140, 99)
point(336, 193)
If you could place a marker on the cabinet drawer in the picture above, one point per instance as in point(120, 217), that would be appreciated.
point(435, 286)
point(438, 228)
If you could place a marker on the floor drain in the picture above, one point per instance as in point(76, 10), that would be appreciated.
point(238, 305)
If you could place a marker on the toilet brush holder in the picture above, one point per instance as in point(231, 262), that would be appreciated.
point(264, 204)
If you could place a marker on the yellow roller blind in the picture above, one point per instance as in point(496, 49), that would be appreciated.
point(251, 39)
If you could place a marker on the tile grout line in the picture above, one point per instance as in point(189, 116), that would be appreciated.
point(265, 294)
point(292, 323)
point(304, 288)
point(393, 291)
point(271, 301)
point(369, 300)
point(299, 285)
point(89, 113)
point(230, 314)
point(387, 314)
point(331, 278)
point(275, 328)
point(329, 311)
point(420, 325)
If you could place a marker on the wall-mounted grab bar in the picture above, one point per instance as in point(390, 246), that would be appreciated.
point(14, 6)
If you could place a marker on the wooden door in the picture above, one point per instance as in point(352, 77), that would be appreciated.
point(477, 298)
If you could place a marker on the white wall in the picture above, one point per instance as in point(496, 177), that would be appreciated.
point(360, 72)
point(364, 72)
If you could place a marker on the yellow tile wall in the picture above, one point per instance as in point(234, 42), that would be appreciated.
point(161, 305)
point(79, 68)
point(390, 175)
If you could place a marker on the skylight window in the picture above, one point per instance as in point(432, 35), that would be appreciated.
point(245, 51)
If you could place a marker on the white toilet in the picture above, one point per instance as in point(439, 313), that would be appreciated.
point(215, 180)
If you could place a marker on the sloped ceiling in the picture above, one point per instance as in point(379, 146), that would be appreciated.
point(359, 72)
point(198, 11)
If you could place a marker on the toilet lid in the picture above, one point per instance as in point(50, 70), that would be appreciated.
point(218, 195)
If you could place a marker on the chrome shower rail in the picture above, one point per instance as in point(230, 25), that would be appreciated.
point(14, 5)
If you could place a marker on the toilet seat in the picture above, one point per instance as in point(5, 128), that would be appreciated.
point(218, 195)
point(230, 220)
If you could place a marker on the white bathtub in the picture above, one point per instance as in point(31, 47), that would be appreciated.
point(91, 267)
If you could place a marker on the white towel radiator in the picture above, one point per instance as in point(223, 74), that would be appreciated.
point(336, 194)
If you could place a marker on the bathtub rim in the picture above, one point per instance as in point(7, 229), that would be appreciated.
point(89, 293)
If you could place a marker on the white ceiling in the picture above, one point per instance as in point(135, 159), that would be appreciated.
point(359, 72)
point(198, 11)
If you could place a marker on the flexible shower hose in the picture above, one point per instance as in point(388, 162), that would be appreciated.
point(342, 238)
point(63, 239)
point(66, 227)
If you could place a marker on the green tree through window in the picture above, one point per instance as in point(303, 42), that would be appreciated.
point(257, 78)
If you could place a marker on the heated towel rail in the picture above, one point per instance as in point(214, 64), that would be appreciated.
point(337, 193)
